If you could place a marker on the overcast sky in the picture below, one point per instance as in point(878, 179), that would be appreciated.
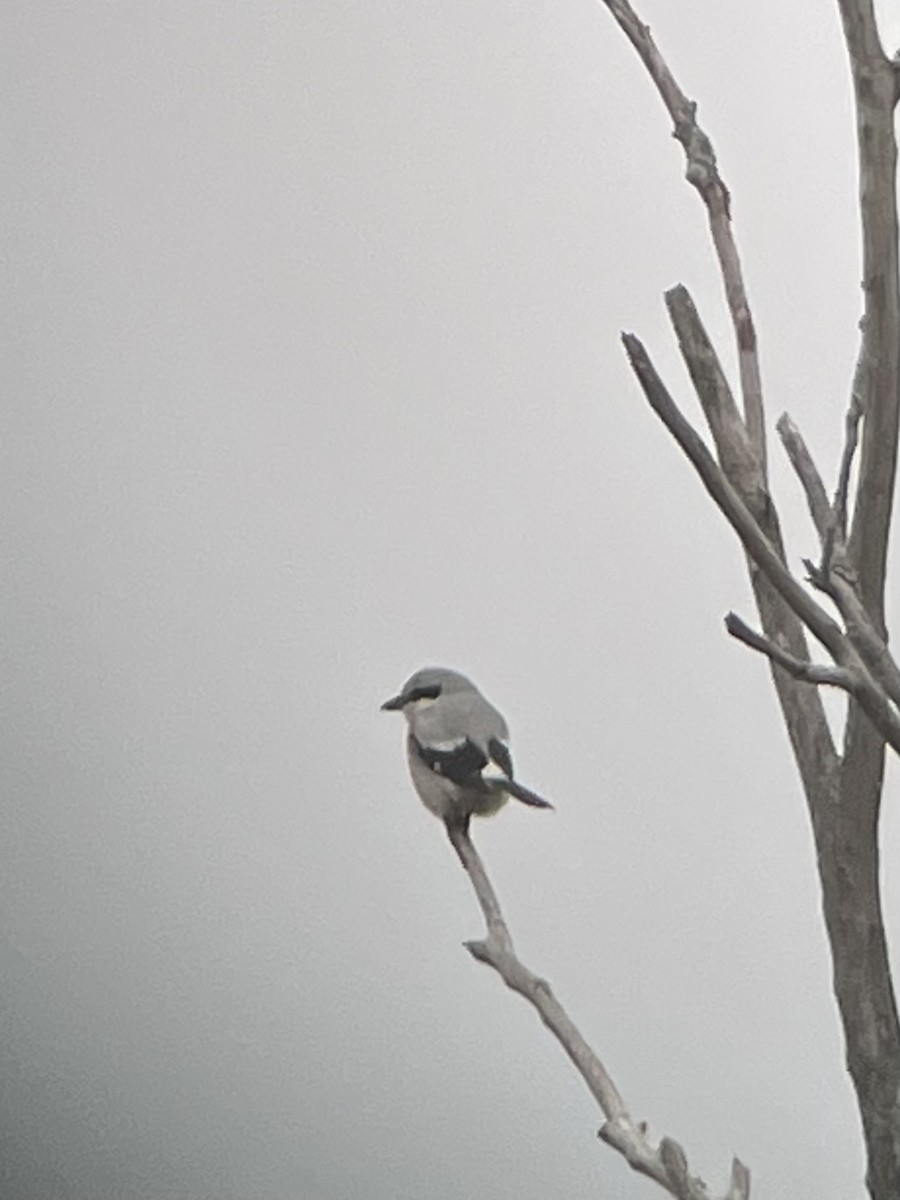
point(312, 377)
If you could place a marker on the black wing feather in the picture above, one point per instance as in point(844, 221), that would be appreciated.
point(459, 764)
point(499, 752)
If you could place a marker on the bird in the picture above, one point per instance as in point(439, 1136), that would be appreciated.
point(456, 747)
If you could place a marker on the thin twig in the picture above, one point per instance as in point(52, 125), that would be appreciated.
point(666, 1164)
point(837, 525)
point(859, 625)
point(703, 173)
point(729, 433)
point(487, 897)
point(806, 672)
point(834, 577)
point(807, 472)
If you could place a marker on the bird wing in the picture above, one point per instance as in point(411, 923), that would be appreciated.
point(458, 762)
point(455, 736)
point(499, 753)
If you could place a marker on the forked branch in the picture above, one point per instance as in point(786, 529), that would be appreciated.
point(860, 681)
point(835, 576)
point(666, 1163)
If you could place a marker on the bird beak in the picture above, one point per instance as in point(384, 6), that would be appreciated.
point(394, 704)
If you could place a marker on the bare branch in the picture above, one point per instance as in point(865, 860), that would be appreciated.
point(830, 520)
point(702, 172)
point(843, 794)
point(838, 524)
point(866, 638)
point(877, 377)
point(807, 472)
point(739, 1188)
point(722, 415)
point(848, 851)
point(870, 694)
point(806, 672)
point(861, 31)
point(730, 503)
point(487, 897)
point(836, 579)
point(667, 1164)
point(860, 629)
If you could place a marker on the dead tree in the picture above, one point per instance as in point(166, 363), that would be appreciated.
point(842, 785)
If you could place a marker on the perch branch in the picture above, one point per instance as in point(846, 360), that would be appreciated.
point(703, 173)
point(666, 1164)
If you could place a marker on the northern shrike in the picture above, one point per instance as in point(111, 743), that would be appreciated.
point(456, 746)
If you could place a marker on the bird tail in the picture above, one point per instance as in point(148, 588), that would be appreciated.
point(520, 793)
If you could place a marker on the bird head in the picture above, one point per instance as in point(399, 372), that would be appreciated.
point(425, 687)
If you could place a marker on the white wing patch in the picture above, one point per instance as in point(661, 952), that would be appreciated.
point(492, 771)
point(449, 746)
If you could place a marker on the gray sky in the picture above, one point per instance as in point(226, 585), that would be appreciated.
point(313, 378)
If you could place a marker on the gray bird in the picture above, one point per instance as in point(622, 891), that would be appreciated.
point(456, 746)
